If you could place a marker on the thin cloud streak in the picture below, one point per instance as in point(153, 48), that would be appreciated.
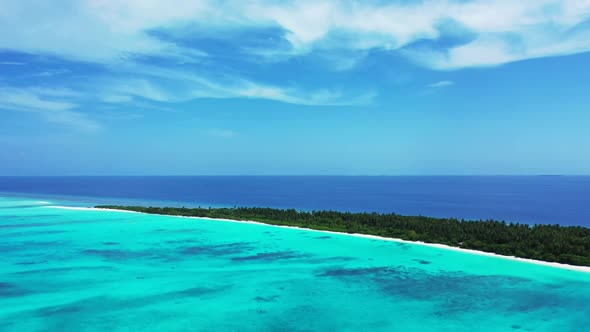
point(11, 63)
point(41, 101)
point(441, 84)
point(172, 85)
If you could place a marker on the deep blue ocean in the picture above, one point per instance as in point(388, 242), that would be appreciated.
point(527, 199)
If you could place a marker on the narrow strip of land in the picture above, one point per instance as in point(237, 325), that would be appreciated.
point(549, 243)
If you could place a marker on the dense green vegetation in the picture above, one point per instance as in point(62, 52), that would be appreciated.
point(551, 243)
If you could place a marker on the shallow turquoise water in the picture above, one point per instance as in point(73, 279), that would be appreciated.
point(85, 270)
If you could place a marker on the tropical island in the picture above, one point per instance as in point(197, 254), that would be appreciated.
point(550, 243)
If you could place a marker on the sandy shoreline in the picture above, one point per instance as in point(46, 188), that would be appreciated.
point(366, 236)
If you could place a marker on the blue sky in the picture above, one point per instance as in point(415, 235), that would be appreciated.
point(294, 87)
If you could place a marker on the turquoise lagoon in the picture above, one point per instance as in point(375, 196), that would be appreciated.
point(90, 270)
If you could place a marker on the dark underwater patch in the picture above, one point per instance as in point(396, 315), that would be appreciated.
point(334, 259)
point(192, 292)
point(31, 262)
point(341, 272)
point(65, 269)
point(181, 241)
point(324, 237)
point(170, 254)
point(457, 292)
point(271, 256)
point(60, 310)
point(11, 216)
point(116, 254)
point(403, 246)
point(103, 303)
point(226, 249)
point(421, 261)
point(263, 299)
point(53, 231)
point(11, 290)
point(534, 300)
point(110, 243)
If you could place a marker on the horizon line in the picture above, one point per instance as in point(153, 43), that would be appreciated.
point(290, 175)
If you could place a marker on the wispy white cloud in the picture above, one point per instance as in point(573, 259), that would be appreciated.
point(295, 96)
point(107, 31)
point(174, 85)
point(23, 99)
point(51, 73)
point(91, 30)
point(153, 90)
point(117, 35)
point(441, 84)
point(11, 63)
point(42, 101)
point(504, 30)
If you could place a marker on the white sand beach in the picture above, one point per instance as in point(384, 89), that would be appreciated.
point(366, 236)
